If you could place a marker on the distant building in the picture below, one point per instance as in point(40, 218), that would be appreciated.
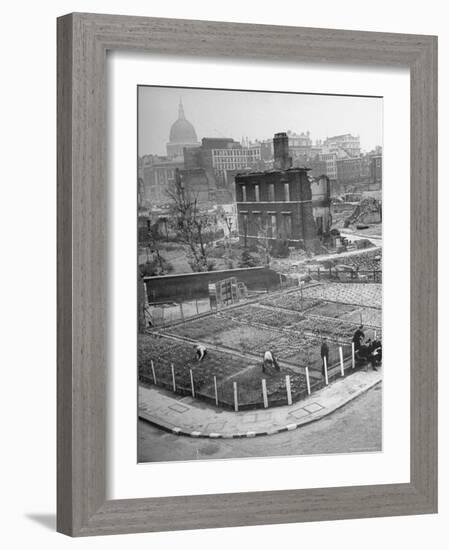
point(349, 171)
point(363, 172)
point(330, 160)
point(277, 204)
point(182, 136)
point(234, 159)
point(347, 142)
point(157, 174)
point(376, 169)
point(221, 155)
point(300, 145)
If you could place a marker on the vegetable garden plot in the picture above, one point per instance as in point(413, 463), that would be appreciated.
point(305, 351)
point(366, 316)
point(293, 301)
point(363, 294)
point(263, 315)
point(157, 347)
point(204, 328)
point(244, 338)
point(295, 338)
point(334, 329)
point(332, 309)
point(183, 358)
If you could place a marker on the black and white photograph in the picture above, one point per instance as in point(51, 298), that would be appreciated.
point(259, 267)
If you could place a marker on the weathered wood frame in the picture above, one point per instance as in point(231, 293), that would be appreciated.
point(83, 40)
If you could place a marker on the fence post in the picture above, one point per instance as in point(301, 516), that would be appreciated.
point(154, 372)
point(191, 383)
point(173, 377)
point(342, 366)
point(236, 401)
point(196, 303)
point(264, 392)
point(308, 381)
point(181, 311)
point(216, 390)
point(353, 354)
point(289, 389)
point(326, 379)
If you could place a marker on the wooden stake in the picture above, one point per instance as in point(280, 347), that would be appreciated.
point(236, 401)
point(191, 383)
point(173, 377)
point(154, 372)
point(308, 381)
point(264, 393)
point(216, 391)
point(326, 379)
point(181, 311)
point(342, 366)
point(353, 355)
point(289, 389)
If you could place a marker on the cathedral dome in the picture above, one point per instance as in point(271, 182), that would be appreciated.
point(182, 131)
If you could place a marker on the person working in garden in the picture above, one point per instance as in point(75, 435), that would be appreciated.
point(324, 354)
point(269, 360)
point(358, 338)
point(201, 351)
point(376, 354)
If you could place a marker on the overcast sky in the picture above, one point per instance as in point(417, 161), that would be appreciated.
point(258, 115)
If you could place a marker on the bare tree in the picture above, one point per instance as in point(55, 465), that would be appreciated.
point(154, 237)
point(194, 228)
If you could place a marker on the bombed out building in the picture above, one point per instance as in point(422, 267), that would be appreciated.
point(278, 203)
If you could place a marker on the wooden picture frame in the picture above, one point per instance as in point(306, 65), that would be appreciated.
point(83, 40)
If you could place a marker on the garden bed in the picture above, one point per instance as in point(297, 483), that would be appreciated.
point(332, 309)
point(363, 294)
point(366, 316)
point(165, 352)
point(292, 301)
point(277, 318)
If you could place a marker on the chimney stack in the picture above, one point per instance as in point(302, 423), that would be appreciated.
point(282, 161)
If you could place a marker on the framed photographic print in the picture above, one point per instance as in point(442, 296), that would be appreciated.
point(247, 282)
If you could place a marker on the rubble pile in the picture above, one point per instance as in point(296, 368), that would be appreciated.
point(369, 210)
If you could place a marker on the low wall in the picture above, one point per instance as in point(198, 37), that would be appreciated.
point(194, 285)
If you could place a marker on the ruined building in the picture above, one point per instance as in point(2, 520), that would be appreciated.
point(277, 204)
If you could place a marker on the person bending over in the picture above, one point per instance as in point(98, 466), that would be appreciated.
point(201, 351)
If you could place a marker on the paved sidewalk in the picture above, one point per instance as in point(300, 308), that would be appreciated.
point(191, 417)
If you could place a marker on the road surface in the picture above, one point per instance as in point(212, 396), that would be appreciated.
point(357, 427)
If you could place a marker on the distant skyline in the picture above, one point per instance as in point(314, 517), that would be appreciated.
point(256, 115)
